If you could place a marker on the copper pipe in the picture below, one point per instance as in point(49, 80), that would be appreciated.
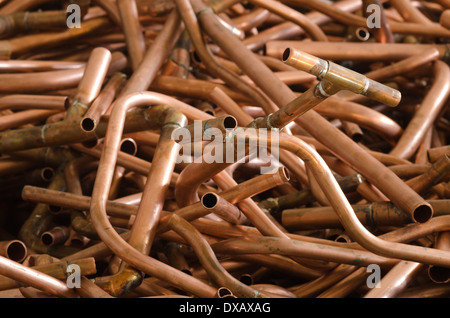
point(34, 278)
point(154, 57)
point(396, 280)
point(409, 12)
point(338, 51)
point(288, 29)
point(133, 31)
point(57, 235)
point(20, 66)
point(57, 269)
point(208, 259)
point(269, 245)
point(436, 153)
point(436, 273)
point(19, 101)
point(21, 45)
point(445, 18)
point(111, 9)
point(103, 180)
point(14, 250)
point(225, 210)
point(424, 116)
point(102, 102)
point(91, 83)
point(438, 172)
point(23, 22)
point(294, 16)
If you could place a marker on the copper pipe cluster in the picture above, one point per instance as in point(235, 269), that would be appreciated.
point(134, 147)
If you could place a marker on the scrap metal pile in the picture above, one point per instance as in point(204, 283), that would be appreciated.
point(117, 117)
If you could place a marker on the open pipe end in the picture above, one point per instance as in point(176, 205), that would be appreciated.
point(422, 213)
point(47, 174)
point(88, 124)
point(128, 146)
point(47, 239)
point(439, 274)
point(284, 174)
point(286, 55)
point(16, 251)
point(209, 200)
point(230, 122)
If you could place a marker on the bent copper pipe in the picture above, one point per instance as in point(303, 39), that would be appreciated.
point(314, 124)
point(423, 118)
point(100, 194)
point(209, 260)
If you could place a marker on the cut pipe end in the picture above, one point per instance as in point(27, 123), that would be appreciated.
point(16, 251)
point(88, 124)
point(422, 213)
point(209, 200)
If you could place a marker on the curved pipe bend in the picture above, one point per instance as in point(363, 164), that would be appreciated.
point(103, 182)
point(344, 210)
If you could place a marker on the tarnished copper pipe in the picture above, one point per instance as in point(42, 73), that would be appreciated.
point(57, 235)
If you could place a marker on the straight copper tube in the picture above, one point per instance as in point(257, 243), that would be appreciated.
point(35, 279)
point(339, 51)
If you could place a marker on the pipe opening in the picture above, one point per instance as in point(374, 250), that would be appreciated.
point(285, 175)
point(286, 54)
point(439, 274)
point(54, 209)
point(362, 34)
point(422, 213)
point(357, 137)
point(209, 200)
point(186, 271)
point(16, 251)
point(47, 174)
point(230, 122)
point(47, 239)
point(246, 279)
point(128, 146)
point(88, 124)
point(224, 292)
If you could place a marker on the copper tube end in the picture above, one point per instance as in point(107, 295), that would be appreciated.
point(422, 213)
point(224, 292)
point(47, 174)
point(439, 274)
point(88, 124)
point(14, 250)
point(55, 236)
point(129, 146)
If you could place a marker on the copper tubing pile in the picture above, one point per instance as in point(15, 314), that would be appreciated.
point(353, 97)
